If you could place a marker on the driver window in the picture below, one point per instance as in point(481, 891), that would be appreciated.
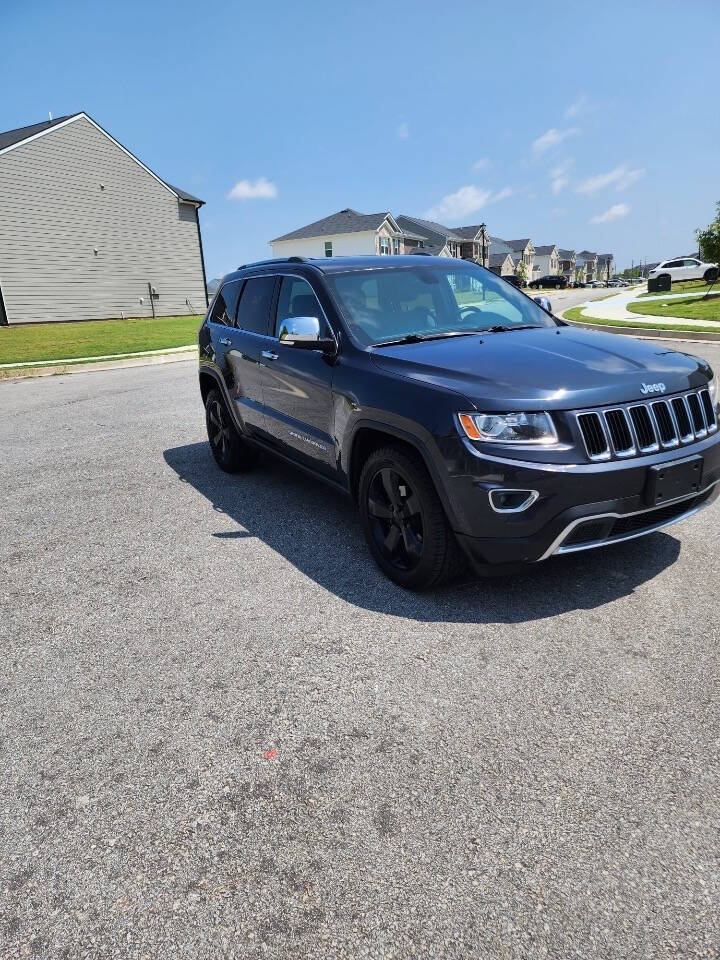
point(297, 299)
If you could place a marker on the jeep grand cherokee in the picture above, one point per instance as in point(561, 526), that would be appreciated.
point(467, 422)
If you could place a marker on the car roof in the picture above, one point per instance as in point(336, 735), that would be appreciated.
point(329, 265)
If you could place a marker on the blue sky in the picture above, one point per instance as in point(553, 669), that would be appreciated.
point(592, 127)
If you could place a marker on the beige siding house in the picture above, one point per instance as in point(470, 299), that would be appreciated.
point(347, 233)
point(86, 230)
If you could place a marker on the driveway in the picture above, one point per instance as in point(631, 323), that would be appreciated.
point(225, 734)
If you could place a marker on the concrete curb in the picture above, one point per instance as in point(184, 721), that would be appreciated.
point(146, 360)
point(651, 333)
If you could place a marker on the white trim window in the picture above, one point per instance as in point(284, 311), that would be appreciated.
point(328, 248)
point(384, 244)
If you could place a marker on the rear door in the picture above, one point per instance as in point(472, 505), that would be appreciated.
point(248, 338)
point(692, 270)
point(297, 384)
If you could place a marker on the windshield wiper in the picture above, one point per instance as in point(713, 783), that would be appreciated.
point(501, 328)
point(421, 337)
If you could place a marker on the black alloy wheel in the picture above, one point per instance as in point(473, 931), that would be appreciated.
point(404, 522)
point(218, 428)
point(396, 519)
point(231, 452)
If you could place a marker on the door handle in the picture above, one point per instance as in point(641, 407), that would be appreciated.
point(269, 355)
point(225, 341)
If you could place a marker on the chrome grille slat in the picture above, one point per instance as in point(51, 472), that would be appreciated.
point(632, 429)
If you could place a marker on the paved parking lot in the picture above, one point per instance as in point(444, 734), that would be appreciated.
point(225, 734)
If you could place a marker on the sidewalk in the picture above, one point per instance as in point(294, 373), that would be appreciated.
point(615, 308)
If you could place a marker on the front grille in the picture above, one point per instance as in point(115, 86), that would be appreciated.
point(640, 428)
point(607, 529)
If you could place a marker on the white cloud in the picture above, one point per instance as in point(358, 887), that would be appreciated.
point(260, 189)
point(559, 176)
point(403, 130)
point(466, 200)
point(612, 213)
point(620, 178)
point(551, 138)
point(577, 107)
point(481, 164)
point(503, 194)
point(460, 204)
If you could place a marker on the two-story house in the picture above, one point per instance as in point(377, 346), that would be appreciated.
point(502, 264)
point(345, 233)
point(605, 266)
point(467, 243)
point(547, 261)
point(586, 266)
point(522, 252)
point(566, 263)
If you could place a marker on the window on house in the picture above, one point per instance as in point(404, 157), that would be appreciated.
point(328, 248)
point(385, 246)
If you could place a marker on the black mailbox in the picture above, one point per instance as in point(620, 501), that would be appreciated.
point(662, 284)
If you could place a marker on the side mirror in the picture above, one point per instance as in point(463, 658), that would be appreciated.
point(304, 334)
point(544, 302)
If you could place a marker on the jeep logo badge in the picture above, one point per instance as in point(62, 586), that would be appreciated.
point(652, 388)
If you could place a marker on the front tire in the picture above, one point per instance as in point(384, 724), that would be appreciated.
point(231, 452)
point(404, 522)
point(711, 275)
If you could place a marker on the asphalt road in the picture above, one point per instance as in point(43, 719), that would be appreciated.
point(513, 768)
point(564, 299)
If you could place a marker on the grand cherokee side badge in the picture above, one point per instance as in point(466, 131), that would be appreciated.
point(652, 388)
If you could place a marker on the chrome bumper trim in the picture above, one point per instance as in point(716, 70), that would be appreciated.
point(556, 548)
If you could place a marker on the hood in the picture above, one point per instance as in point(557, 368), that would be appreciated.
point(561, 368)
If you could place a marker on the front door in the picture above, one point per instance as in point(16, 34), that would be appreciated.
point(297, 385)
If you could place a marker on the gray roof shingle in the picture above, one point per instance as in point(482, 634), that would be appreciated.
point(545, 250)
point(344, 221)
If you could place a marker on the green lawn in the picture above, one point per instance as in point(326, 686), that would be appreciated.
point(576, 315)
point(695, 308)
point(93, 338)
point(688, 286)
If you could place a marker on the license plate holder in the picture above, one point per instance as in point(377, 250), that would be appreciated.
point(670, 481)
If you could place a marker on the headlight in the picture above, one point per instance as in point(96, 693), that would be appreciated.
point(508, 427)
point(714, 388)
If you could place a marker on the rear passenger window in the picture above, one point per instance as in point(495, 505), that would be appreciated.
point(225, 305)
point(254, 309)
point(297, 299)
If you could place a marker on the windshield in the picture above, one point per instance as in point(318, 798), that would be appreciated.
point(426, 301)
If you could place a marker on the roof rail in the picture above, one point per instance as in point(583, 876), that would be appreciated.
point(420, 253)
point(262, 263)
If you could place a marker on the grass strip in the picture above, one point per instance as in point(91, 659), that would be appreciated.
point(47, 342)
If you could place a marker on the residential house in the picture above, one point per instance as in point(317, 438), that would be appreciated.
point(351, 233)
point(586, 266)
point(522, 252)
point(566, 263)
point(547, 262)
point(502, 264)
point(87, 231)
point(605, 266)
point(345, 233)
point(466, 243)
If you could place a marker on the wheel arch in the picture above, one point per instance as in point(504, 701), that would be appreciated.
point(369, 435)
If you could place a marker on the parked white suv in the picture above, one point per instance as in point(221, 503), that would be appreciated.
point(686, 268)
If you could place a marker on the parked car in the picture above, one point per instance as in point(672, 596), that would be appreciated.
point(428, 392)
point(617, 283)
point(515, 281)
point(686, 268)
point(551, 282)
point(595, 284)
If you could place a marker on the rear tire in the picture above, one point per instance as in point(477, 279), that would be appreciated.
point(232, 453)
point(711, 275)
point(404, 522)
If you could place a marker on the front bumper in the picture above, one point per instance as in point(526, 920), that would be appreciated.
point(613, 495)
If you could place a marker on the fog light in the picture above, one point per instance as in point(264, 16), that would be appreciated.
point(512, 501)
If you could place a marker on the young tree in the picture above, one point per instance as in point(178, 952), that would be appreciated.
point(521, 273)
point(709, 239)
